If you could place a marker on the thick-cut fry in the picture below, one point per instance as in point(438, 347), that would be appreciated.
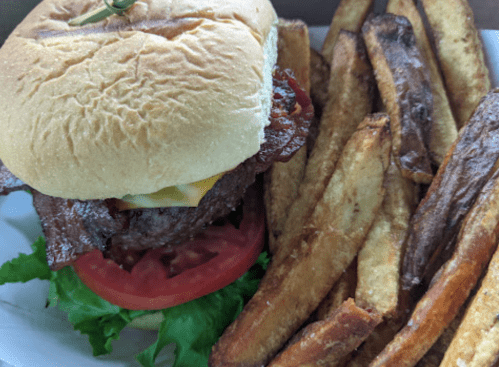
point(476, 342)
point(477, 241)
point(319, 80)
point(404, 85)
point(379, 260)
point(457, 183)
point(434, 356)
point(327, 341)
point(460, 54)
point(350, 100)
point(375, 343)
point(283, 179)
point(444, 126)
point(292, 289)
point(293, 50)
point(350, 15)
point(342, 290)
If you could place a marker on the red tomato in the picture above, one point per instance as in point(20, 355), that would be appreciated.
point(167, 277)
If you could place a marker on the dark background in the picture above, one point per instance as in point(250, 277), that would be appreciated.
point(314, 12)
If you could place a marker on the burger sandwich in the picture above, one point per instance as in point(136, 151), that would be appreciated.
point(141, 136)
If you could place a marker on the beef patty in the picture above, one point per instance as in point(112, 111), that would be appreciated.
point(74, 227)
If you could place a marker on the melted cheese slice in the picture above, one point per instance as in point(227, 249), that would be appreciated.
point(181, 195)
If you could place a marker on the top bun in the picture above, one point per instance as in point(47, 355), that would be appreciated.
point(173, 92)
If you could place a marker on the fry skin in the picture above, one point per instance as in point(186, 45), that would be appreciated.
point(342, 290)
point(327, 341)
point(378, 270)
point(444, 129)
point(476, 242)
point(350, 15)
point(404, 85)
point(319, 81)
point(476, 342)
point(350, 100)
point(283, 179)
point(375, 343)
point(292, 289)
point(459, 51)
point(459, 179)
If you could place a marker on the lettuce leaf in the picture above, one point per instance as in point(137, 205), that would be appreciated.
point(194, 326)
point(27, 267)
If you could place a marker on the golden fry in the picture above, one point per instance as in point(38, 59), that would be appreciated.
point(459, 51)
point(476, 342)
point(434, 356)
point(342, 290)
point(327, 341)
point(350, 100)
point(379, 260)
point(444, 129)
point(283, 179)
point(349, 16)
point(450, 288)
point(293, 288)
point(319, 80)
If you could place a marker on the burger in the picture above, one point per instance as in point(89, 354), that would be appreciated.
point(141, 137)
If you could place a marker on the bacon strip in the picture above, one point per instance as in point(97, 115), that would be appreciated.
point(8, 182)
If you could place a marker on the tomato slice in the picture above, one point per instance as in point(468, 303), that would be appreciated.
point(166, 277)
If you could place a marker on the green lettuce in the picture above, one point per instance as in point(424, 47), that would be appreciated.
point(194, 326)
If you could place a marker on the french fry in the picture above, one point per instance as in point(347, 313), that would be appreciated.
point(342, 290)
point(350, 100)
point(283, 179)
point(404, 86)
point(476, 242)
point(444, 129)
point(379, 260)
point(292, 289)
point(476, 342)
point(294, 40)
point(460, 54)
point(319, 80)
point(349, 15)
point(436, 222)
point(327, 341)
point(433, 358)
point(375, 343)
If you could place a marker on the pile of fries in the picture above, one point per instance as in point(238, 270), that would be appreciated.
point(383, 230)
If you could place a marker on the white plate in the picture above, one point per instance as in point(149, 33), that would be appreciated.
point(31, 335)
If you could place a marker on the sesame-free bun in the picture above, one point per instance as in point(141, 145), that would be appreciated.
point(172, 92)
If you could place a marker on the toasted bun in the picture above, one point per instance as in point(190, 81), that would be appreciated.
point(173, 92)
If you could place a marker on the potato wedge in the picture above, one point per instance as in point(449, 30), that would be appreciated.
point(434, 357)
point(379, 260)
point(375, 343)
point(294, 40)
point(476, 242)
point(460, 53)
point(292, 289)
point(327, 341)
point(350, 100)
point(476, 342)
point(283, 179)
point(319, 80)
point(457, 183)
point(404, 85)
point(349, 15)
point(342, 290)
point(444, 128)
